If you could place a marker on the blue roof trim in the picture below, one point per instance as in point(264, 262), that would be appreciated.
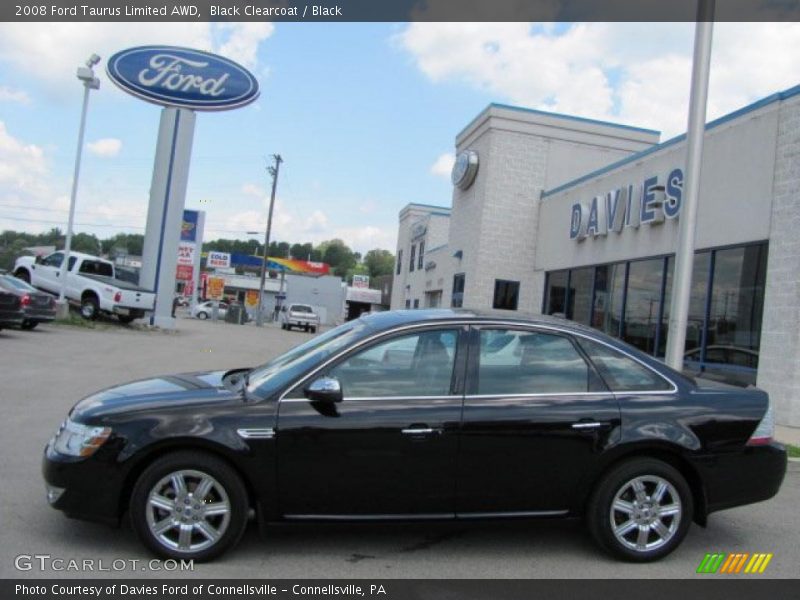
point(771, 99)
point(556, 115)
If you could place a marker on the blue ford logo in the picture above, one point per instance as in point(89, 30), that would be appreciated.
point(182, 77)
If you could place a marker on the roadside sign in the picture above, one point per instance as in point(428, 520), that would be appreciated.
point(186, 253)
point(360, 281)
point(218, 260)
point(251, 298)
point(216, 288)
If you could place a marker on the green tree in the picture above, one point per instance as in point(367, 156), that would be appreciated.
point(379, 262)
point(339, 256)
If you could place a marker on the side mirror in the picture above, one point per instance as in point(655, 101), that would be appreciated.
point(38, 259)
point(324, 389)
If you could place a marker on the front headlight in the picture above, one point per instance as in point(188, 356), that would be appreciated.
point(75, 439)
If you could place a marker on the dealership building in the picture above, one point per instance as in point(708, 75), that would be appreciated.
point(564, 215)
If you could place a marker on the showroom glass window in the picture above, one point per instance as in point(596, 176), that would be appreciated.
point(609, 290)
point(457, 300)
point(526, 362)
point(579, 300)
point(643, 303)
point(506, 294)
point(737, 303)
point(416, 365)
point(556, 299)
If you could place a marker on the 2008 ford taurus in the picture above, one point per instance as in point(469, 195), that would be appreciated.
point(420, 415)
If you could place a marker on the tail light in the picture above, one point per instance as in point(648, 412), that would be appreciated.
point(26, 300)
point(117, 296)
point(765, 430)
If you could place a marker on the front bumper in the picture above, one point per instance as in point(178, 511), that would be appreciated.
point(750, 475)
point(83, 488)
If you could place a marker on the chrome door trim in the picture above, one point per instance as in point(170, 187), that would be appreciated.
point(377, 517)
point(587, 425)
point(512, 514)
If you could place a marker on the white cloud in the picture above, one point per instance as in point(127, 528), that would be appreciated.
point(443, 165)
point(635, 73)
point(8, 94)
point(22, 166)
point(105, 147)
point(51, 53)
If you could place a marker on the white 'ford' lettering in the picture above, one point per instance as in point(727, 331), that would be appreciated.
point(166, 71)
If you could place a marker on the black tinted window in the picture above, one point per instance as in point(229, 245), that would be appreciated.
point(526, 362)
point(620, 372)
point(416, 365)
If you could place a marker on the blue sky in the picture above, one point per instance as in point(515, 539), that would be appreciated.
point(364, 115)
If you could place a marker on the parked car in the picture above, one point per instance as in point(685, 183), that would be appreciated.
point(349, 426)
point(729, 364)
point(11, 313)
point(301, 316)
point(91, 283)
point(38, 307)
point(204, 310)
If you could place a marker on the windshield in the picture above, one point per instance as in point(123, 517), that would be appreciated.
point(265, 380)
point(10, 282)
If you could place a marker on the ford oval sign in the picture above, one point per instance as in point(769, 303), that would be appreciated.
point(182, 77)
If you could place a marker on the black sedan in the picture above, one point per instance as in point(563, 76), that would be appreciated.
point(10, 310)
point(420, 415)
point(38, 307)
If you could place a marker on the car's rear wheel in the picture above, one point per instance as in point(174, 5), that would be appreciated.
point(27, 324)
point(189, 505)
point(641, 510)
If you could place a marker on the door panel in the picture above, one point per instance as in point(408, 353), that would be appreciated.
point(536, 418)
point(389, 447)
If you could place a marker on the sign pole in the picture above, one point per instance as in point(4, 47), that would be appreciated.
point(274, 172)
point(684, 255)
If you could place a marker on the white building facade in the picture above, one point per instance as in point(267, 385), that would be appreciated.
point(580, 218)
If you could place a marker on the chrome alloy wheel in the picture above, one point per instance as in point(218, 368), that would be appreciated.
point(645, 513)
point(188, 511)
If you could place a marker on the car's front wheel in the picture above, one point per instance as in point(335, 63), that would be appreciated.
point(189, 505)
point(641, 510)
point(202, 316)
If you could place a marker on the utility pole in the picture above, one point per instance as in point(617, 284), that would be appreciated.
point(684, 255)
point(273, 171)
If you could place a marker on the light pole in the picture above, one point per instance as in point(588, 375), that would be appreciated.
point(90, 82)
point(274, 172)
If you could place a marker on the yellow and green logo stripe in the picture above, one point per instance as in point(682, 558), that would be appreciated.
point(734, 563)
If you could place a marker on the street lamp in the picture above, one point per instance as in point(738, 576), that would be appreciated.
point(90, 82)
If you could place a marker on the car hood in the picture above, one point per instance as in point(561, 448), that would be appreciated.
point(168, 391)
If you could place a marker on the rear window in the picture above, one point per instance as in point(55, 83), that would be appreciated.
point(301, 308)
point(620, 372)
point(96, 267)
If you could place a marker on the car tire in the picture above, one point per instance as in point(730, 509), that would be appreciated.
point(90, 309)
point(162, 523)
point(202, 315)
point(126, 319)
point(313, 330)
point(288, 327)
point(28, 325)
point(641, 510)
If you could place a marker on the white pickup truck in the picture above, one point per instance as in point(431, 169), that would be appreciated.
point(91, 283)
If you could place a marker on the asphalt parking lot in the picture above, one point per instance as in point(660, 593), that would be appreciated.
point(47, 370)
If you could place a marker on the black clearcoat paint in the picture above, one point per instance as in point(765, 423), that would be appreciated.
point(499, 456)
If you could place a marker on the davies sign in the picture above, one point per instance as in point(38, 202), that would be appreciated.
point(632, 205)
point(182, 77)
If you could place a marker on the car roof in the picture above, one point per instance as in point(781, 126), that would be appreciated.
point(393, 318)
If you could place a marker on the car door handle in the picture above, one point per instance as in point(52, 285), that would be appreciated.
point(418, 431)
point(588, 425)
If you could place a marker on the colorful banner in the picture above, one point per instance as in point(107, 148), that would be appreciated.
point(297, 266)
point(216, 288)
point(186, 253)
point(184, 273)
point(218, 260)
point(189, 226)
point(251, 299)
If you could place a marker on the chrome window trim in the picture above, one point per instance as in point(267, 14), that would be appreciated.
point(368, 398)
point(483, 324)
